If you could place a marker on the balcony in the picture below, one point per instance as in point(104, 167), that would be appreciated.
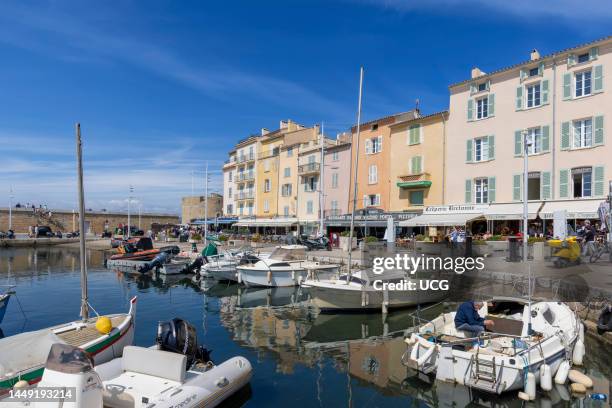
point(241, 177)
point(336, 212)
point(269, 153)
point(246, 158)
point(414, 181)
point(245, 195)
point(310, 168)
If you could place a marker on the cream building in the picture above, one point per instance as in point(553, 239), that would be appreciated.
point(245, 180)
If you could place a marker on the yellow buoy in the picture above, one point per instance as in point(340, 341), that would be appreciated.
point(104, 325)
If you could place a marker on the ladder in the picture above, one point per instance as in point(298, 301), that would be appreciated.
point(484, 374)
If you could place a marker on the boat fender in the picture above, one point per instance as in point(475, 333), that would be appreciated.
point(545, 377)
point(269, 276)
point(576, 376)
point(221, 382)
point(581, 332)
point(421, 360)
point(578, 353)
point(414, 352)
point(562, 390)
point(293, 276)
point(21, 384)
point(578, 388)
point(523, 395)
point(562, 372)
point(530, 386)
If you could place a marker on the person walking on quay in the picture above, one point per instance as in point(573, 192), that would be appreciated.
point(36, 231)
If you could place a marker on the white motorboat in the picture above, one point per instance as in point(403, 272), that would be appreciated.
point(175, 266)
point(286, 266)
point(366, 291)
point(498, 361)
point(222, 267)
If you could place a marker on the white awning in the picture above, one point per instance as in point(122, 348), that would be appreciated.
point(579, 208)
point(266, 222)
point(511, 211)
point(440, 220)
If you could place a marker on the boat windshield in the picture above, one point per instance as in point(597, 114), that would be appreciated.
point(354, 279)
point(288, 254)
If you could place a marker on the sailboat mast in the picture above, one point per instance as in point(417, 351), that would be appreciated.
point(83, 255)
point(350, 245)
point(206, 205)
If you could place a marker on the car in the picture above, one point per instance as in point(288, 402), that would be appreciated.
point(44, 232)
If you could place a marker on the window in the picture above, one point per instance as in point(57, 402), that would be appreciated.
point(266, 185)
point(334, 180)
point(416, 197)
point(374, 145)
point(310, 184)
point(335, 156)
point(481, 149)
point(286, 190)
point(533, 186)
point(482, 108)
point(334, 207)
point(372, 174)
point(582, 181)
point(371, 200)
point(482, 87)
point(229, 177)
point(534, 140)
point(375, 126)
point(309, 207)
point(229, 192)
point(481, 188)
point(241, 209)
point(533, 95)
point(311, 159)
point(287, 171)
point(583, 58)
point(266, 165)
point(289, 151)
point(534, 72)
point(230, 209)
point(266, 206)
point(286, 210)
point(250, 209)
point(583, 133)
point(583, 83)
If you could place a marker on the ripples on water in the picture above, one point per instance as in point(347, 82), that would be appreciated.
point(298, 357)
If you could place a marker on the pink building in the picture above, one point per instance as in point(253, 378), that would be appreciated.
point(337, 178)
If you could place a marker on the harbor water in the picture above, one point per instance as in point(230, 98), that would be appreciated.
point(299, 358)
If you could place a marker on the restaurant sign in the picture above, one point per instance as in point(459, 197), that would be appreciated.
point(454, 209)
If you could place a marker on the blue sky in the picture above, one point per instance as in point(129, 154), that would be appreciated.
point(160, 87)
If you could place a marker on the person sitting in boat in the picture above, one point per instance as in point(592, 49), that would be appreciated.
point(468, 320)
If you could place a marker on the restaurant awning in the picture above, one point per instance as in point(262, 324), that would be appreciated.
point(266, 222)
point(440, 220)
point(576, 209)
point(512, 211)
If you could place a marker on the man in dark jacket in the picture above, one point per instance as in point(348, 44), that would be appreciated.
point(467, 319)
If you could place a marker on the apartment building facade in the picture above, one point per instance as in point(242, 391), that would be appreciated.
point(559, 105)
point(337, 177)
point(239, 181)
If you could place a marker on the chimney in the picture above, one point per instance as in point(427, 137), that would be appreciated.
point(264, 131)
point(284, 124)
point(535, 54)
point(476, 72)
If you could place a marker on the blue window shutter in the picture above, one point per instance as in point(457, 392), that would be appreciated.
point(598, 78)
point(468, 191)
point(567, 86)
point(491, 147)
point(599, 130)
point(545, 138)
point(545, 186)
point(469, 151)
point(516, 187)
point(545, 92)
point(519, 97)
point(563, 183)
point(593, 53)
point(491, 103)
point(470, 109)
point(491, 187)
point(518, 143)
point(565, 136)
point(598, 181)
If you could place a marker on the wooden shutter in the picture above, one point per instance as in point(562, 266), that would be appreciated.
point(567, 86)
point(516, 187)
point(541, 69)
point(598, 123)
point(491, 147)
point(593, 53)
point(563, 183)
point(565, 136)
point(519, 97)
point(473, 89)
point(523, 74)
point(545, 138)
point(416, 165)
point(598, 78)
point(468, 191)
point(545, 92)
point(491, 105)
point(545, 186)
point(571, 60)
point(518, 143)
point(380, 146)
point(598, 181)
point(491, 187)
point(368, 146)
point(469, 151)
point(470, 110)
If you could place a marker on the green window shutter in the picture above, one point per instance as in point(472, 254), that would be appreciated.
point(519, 97)
point(473, 89)
point(523, 74)
point(468, 191)
point(563, 183)
point(411, 138)
point(545, 92)
point(541, 69)
point(518, 143)
point(416, 165)
point(567, 86)
point(516, 187)
point(565, 136)
point(598, 78)
point(491, 147)
point(491, 187)
point(470, 109)
point(545, 138)
point(488, 84)
point(420, 162)
point(598, 181)
point(593, 53)
point(571, 60)
point(491, 103)
point(545, 186)
point(469, 151)
point(599, 130)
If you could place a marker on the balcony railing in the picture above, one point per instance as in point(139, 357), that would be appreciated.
point(332, 213)
point(245, 176)
point(420, 180)
point(245, 195)
point(246, 158)
point(309, 168)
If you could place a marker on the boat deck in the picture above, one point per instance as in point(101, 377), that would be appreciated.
point(86, 334)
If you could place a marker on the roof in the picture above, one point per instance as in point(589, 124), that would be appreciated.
point(554, 54)
point(431, 115)
point(381, 119)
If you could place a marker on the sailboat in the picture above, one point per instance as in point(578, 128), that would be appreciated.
point(4, 300)
point(23, 356)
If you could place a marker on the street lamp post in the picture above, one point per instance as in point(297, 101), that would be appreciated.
point(526, 145)
point(129, 204)
point(10, 224)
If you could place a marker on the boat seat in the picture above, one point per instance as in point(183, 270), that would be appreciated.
point(129, 389)
point(157, 363)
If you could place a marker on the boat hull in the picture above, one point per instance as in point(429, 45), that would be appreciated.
point(4, 300)
point(252, 277)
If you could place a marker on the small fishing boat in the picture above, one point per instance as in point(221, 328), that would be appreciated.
point(364, 291)
point(501, 360)
point(222, 267)
point(286, 266)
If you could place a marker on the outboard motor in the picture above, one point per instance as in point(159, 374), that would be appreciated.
point(171, 249)
point(604, 323)
point(195, 265)
point(178, 336)
point(157, 262)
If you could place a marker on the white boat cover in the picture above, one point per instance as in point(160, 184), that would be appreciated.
point(26, 350)
point(440, 220)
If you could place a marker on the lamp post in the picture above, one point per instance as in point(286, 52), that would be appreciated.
point(129, 204)
point(10, 225)
point(526, 145)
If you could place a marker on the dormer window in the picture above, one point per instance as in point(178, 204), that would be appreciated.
point(583, 58)
point(482, 87)
point(534, 72)
point(375, 126)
